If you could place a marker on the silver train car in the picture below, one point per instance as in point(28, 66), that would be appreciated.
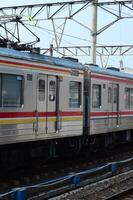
point(110, 107)
point(39, 97)
point(56, 105)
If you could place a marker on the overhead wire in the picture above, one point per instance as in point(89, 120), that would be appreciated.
point(75, 37)
point(79, 38)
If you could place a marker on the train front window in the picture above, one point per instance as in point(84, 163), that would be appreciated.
point(74, 94)
point(11, 90)
point(96, 96)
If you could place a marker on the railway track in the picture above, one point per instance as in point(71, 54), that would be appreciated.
point(126, 194)
point(56, 169)
point(121, 189)
point(118, 187)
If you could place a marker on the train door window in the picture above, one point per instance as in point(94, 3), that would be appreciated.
point(127, 98)
point(74, 94)
point(11, 90)
point(109, 95)
point(52, 90)
point(96, 96)
point(41, 90)
point(115, 95)
point(131, 98)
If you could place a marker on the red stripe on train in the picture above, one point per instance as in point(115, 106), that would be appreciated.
point(100, 114)
point(39, 114)
point(63, 114)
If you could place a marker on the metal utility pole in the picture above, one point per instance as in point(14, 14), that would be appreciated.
point(94, 32)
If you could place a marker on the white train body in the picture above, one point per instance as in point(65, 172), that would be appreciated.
point(36, 97)
point(46, 98)
point(111, 102)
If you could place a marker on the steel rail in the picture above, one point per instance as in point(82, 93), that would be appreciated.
point(120, 194)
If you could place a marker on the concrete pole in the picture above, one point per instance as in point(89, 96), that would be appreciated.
point(93, 33)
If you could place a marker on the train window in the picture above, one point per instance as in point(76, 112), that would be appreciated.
point(29, 77)
point(127, 98)
point(131, 98)
point(109, 95)
point(115, 95)
point(52, 90)
point(11, 90)
point(74, 94)
point(96, 96)
point(41, 90)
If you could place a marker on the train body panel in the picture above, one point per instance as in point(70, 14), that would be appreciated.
point(111, 108)
point(43, 98)
point(40, 98)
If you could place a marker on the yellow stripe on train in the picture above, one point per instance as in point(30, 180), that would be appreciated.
point(34, 120)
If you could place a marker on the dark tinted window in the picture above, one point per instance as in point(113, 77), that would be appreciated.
point(52, 90)
point(41, 90)
point(115, 95)
point(128, 98)
point(74, 94)
point(11, 90)
point(96, 96)
point(109, 95)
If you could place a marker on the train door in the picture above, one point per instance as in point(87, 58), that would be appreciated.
point(113, 105)
point(41, 103)
point(52, 104)
point(48, 104)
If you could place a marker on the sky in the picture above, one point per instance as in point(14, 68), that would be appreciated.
point(118, 34)
point(24, 2)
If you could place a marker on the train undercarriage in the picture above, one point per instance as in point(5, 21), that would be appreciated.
point(29, 153)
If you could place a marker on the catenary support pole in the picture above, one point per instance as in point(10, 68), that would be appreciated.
point(94, 32)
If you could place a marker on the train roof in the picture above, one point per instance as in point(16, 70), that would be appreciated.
point(60, 62)
point(33, 57)
point(109, 72)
